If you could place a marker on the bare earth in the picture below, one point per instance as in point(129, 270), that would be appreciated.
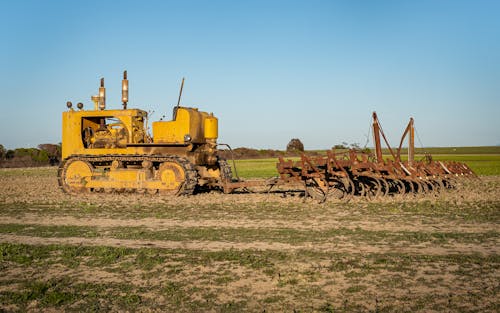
point(246, 252)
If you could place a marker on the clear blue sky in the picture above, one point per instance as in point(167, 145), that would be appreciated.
point(270, 70)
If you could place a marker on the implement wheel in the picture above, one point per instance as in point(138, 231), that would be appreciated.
point(316, 189)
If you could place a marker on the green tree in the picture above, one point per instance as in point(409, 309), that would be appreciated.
point(295, 145)
point(10, 154)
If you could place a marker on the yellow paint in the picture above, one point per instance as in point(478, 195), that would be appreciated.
point(78, 174)
point(188, 121)
point(74, 123)
point(211, 127)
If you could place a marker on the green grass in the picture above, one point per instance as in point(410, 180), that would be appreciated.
point(455, 150)
point(427, 210)
point(256, 168)
point(480, 164)
point(248, 235)
point(171, 281)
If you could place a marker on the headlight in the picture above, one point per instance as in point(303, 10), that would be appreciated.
point(187, 138)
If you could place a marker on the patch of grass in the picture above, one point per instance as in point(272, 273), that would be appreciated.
point(48, 293)
point(273, 299)
point(466, 211)
point(355, 289)
point(147, 259)
point(282, 235)
point(175, 283)
point(327, 308)
point(104, 256)
point(457, 150)
point(256, 168)
point(50, 231)
point(64, 293)
point(175, 292)
point(22, 254)
point(225, 279)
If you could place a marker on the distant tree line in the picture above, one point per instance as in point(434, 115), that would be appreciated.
point(45, 154)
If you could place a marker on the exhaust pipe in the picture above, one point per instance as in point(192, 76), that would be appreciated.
point(124, 90)
point(102, 96)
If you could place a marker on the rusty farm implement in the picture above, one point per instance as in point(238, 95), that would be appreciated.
point(351, 173)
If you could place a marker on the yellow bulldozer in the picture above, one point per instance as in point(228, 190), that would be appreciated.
point(112, 150)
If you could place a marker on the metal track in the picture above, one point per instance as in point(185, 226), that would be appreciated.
point(187, 188)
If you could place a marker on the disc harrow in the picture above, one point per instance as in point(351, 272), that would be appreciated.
point(355, 172)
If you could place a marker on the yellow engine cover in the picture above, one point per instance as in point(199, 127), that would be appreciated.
point(188, 121)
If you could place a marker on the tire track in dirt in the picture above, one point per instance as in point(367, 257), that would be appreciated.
point(337, 247)
point(315, 224)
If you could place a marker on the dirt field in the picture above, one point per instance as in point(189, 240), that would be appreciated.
point(246, 252)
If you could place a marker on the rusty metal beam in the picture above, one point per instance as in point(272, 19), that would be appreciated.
point(376, 138)
point(411, 142)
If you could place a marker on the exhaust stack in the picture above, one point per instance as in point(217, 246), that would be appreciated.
point(124, 90)
point(102, 96)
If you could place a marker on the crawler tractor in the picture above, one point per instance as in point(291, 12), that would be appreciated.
point(111, 150)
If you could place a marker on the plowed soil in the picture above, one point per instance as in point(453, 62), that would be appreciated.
point(246, 252)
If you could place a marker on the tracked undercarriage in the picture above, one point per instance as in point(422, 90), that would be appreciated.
point(135, 173)
point(132, 173)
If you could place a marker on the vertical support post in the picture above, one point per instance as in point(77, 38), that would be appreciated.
point(376, 138)
point(411, 143)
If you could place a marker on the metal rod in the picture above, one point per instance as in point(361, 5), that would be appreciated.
point(180, 93)
point(232, 157)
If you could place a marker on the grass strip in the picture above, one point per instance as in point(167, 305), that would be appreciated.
point(466, 211)
point(247, 235)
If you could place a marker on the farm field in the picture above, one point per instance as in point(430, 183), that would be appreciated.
point(249, 252)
